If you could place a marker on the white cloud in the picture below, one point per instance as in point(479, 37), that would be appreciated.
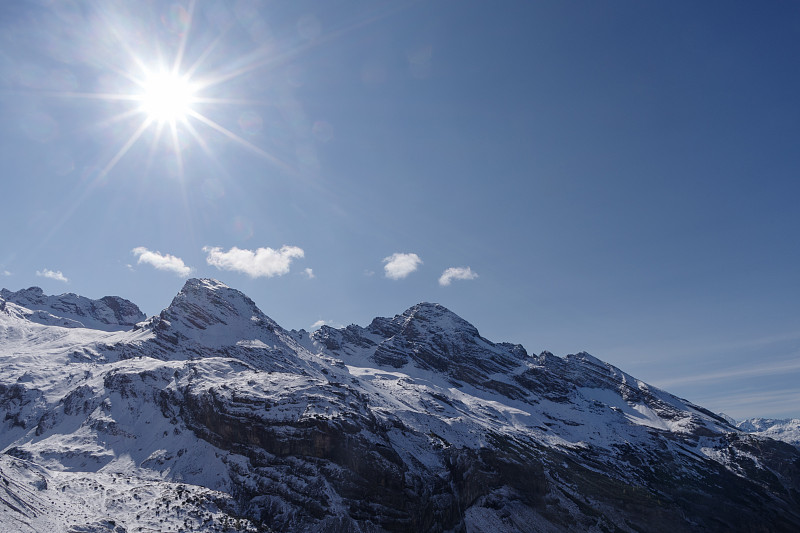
point(6, 273)
point(52, 274)
point(319, 323)
point(310, 273)
point(400, 265)
point(261, 262)
point(162, 261)
point(456, 273)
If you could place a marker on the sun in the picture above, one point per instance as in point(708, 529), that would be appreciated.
point(167, 97)
point(171, 94)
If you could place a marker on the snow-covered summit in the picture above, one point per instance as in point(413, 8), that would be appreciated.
point(784, 429)
point(430, 338)
point(208, 309)
point(110, 313)
point(204, 303)
point(421, 319)
point(209, 319)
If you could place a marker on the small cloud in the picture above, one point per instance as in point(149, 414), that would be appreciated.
point(264, 262)
point(310, 273)
point(369, 272)
point(162, 261)
point(456, 273)
point(52, 274)
point(319, 323)
point(400, 265)
point(7, 273)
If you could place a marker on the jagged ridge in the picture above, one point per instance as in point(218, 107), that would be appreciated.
point(110, 313)
point(412, 423)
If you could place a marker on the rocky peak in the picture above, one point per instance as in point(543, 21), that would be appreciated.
point(209, 310)
point(434, 338)
point(204, 302)
point(433, 316)
point(424, 319)
point(30, 295)
point(109, 313)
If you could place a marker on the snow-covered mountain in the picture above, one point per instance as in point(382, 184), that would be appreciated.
point(785, 429)
point(110, 313)
point(211, 417)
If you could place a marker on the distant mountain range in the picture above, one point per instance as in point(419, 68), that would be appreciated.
point(212, 417)
point(786, 429)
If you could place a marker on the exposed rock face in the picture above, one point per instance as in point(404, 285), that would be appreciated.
point(431, 337)
point(413, 423)
point(110, 313)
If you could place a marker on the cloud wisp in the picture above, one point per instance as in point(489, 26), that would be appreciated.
point(754, 403)
point(774, 368)
point(456, 273)
point(309, 273)
point(52, 274)
point(263, 262)
point(319, 323)
point(161, 261)
point(400, 265)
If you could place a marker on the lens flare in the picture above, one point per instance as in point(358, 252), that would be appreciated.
point(167, 97)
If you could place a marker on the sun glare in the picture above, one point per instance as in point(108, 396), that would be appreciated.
point(170, 98)
point(167, 97)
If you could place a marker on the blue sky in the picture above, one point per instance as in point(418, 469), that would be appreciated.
point(615, 177)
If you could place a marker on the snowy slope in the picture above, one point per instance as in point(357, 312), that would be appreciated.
point(216, 417)
point(786, 430)
point(35, 499)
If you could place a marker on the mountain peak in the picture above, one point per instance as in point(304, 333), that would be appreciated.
point(424, 317)
point(208, 310)
point(430, 317)
point(209, 284)
point(437, 339)
point(203, 302)
point(428, 308)
point(30, 292)
point(109, 313)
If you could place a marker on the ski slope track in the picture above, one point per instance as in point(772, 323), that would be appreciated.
point(211, 417)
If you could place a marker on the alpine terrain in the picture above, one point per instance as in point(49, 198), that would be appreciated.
point(211, 417)
point(787, 430)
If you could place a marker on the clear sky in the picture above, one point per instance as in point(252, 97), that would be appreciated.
point(615, 177)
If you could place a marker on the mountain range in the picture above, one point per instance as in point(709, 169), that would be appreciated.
point(212, 417)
